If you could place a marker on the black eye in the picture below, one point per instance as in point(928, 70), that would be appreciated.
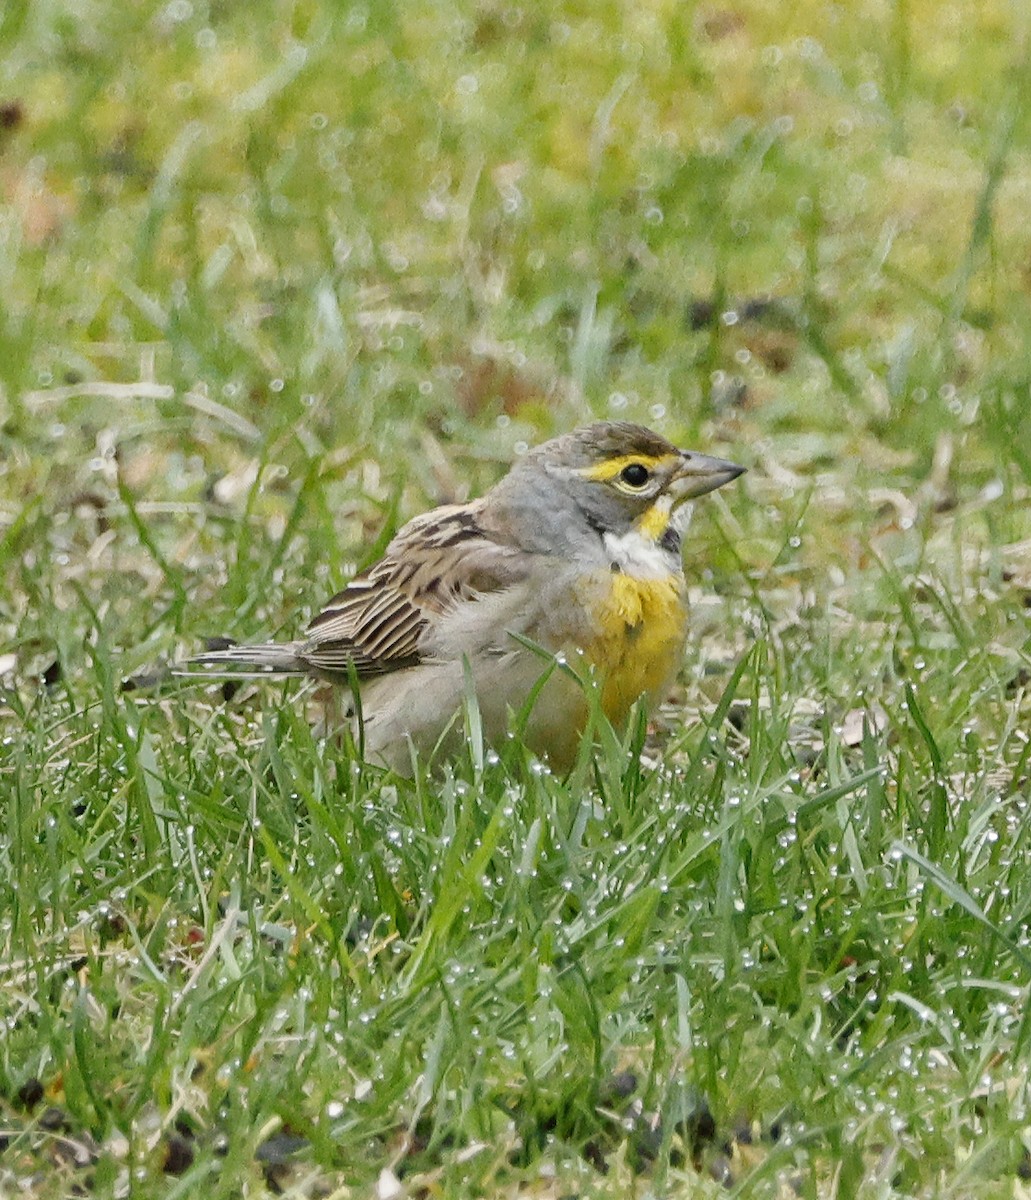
point(636, 475)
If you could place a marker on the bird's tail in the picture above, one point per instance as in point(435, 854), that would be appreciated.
point(223, 659)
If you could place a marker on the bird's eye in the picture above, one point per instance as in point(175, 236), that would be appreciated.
point(635, 475)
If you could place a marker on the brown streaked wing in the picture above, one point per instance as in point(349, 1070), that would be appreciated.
point(377, 622)
point(376, 630)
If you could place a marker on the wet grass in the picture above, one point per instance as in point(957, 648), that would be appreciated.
point(277, 277)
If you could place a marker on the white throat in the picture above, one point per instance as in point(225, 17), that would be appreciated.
point(638, 556)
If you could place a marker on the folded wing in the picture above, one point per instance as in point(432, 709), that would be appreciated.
point(379, 622)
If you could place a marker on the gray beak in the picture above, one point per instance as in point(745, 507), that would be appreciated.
point(700, 474)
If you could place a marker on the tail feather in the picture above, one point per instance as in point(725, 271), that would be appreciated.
point(269, 658)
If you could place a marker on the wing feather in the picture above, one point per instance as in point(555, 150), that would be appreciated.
point(379, 622)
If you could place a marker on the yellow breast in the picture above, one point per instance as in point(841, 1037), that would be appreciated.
point(641, 631)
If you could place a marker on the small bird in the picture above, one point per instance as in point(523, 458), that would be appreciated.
point(569, 567)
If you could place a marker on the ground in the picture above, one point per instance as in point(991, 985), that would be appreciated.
point(276, 277)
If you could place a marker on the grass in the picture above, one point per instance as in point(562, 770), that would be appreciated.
point(277, 277)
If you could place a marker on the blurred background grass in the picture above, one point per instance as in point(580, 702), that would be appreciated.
point(276, 276)
point(388, 230)
point(372, 228)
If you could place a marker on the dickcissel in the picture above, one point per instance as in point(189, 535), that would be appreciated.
point(568, 569)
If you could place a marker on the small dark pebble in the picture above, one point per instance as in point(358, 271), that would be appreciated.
point(178, 1155)
point(647, 1142)
point(78, 1151)
point(720, 1170)
point(30, 1093)
point(737, 716)
point(743, 1131)
point(620, 1086)
point(1024, 1167)
point(807, 756)
point(596, 1157)
point(700, 1126)
point(279, 1147)
point(1019, 681)
point(111, 927)
point(700, 313)
point(11, 114)
point(276, 1177)
point(777, 358)
point(780, 1123)
point(54, 1120)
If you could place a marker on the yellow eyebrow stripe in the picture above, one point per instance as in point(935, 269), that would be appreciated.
point(611, 467)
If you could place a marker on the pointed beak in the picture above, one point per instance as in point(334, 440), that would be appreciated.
point(699, 474)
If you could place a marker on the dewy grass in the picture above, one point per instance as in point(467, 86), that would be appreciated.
point(276, 278)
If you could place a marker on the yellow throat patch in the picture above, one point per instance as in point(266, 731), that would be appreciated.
point(641, 625)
